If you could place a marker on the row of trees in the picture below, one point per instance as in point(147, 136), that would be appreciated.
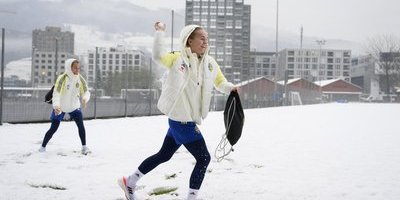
point(115, 81)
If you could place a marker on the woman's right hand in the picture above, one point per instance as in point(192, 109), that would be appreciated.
point(159, 26)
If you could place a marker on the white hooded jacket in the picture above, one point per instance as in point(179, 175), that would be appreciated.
point(68, 90)
point(186, 92)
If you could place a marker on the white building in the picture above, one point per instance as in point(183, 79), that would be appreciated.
point(115, 59)
point(263, 64)
point(314, 64)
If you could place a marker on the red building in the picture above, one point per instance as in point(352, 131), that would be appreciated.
point(310, 93)
point(339, 90)
point(260, 92)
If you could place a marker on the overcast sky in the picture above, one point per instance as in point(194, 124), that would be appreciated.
point(353, 20)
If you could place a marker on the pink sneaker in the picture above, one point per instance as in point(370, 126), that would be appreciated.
point(129, 190)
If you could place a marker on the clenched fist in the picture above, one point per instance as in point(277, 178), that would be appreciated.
point(159, 26)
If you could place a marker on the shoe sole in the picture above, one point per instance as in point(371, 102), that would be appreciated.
point(86, 153)
point(124, 188)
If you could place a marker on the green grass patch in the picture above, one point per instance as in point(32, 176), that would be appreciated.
point(162, 190)
point(51, 186)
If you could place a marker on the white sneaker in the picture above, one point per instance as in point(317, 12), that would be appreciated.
point(42, 149)
point(85, 150)
point(192, 194)
point(129, 190)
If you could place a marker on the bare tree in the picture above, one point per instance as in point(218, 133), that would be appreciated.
point(385, 50)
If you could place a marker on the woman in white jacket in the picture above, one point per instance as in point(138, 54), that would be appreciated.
point(69, 90)
point(185, 99)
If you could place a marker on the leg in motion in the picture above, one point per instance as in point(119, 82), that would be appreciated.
point(77, 116)
point(49, 134)
point(199, 150)
point(167, 150)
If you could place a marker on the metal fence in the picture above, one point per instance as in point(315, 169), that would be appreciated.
point(27, 105)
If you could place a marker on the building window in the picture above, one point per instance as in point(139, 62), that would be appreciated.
point(229, 11)
point(238, 24)
point(314, 60)
point(221, 11)
point(229, 24)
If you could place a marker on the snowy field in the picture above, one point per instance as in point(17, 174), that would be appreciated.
point(317, 152)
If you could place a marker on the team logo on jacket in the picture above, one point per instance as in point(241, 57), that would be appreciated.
point(77, 85)
point(68, 87)
point(182, 67)
point(210, 67)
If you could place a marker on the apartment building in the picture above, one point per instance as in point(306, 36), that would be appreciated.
point(50, 48)
point(228, 25)
point(314, 64)
point(114, 59)
point(263, 64)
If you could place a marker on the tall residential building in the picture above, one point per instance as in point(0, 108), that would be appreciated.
point(115, 59)
point(228, 25)
point(314, 64)
point(50, 48)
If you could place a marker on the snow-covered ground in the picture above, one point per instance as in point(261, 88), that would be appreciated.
point(330, 151)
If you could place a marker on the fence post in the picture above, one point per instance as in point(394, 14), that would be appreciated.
point(126, 84)
point(2, 75)
point(95, 83)
point(150, 86)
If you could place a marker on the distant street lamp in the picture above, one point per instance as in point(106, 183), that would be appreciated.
point(276, 52)
point(320, 43)
point(3, 32)
point(56, 60)
point(172, 30)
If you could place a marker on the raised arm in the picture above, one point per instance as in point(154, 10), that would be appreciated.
point(160, 54)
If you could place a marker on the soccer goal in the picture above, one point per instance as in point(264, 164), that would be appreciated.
point(295, 98)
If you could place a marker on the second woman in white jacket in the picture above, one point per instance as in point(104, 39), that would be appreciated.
point(69, 91)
